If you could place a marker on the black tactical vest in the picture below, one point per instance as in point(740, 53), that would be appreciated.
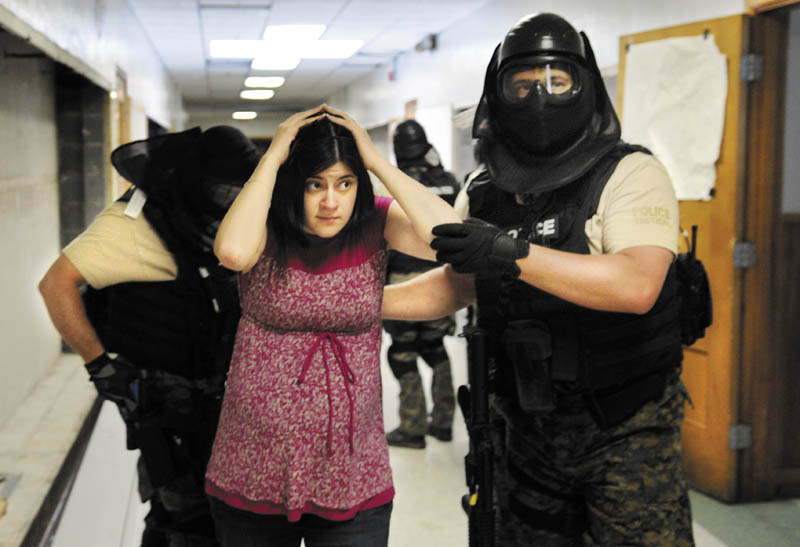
point(184, 327)
point(613, 361)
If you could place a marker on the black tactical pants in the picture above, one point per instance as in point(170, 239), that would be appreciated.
point(180, 514)
point(562, 481)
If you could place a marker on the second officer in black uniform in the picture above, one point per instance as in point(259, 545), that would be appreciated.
point(418, 158)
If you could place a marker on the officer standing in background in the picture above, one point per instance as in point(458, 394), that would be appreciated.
point(571, 241)
point(157, 321)
point(417, 158)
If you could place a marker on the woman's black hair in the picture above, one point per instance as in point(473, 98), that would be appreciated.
point(316, 147)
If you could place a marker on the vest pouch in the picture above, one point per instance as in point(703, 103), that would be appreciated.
point(529, 351)
point(613, 406)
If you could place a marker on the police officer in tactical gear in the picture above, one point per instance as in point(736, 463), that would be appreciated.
point(157, 321)
point(569, 251)
point(418, 158)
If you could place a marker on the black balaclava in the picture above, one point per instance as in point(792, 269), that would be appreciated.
point(190, 179)
point(544, 140)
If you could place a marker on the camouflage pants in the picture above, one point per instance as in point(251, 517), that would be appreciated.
point(562, 481)
point(411, 340)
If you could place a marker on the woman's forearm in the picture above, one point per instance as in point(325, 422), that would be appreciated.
point(243, 231)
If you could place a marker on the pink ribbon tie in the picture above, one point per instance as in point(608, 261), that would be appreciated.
point(344, 369)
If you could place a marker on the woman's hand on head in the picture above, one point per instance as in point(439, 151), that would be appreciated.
point(370, 154)
point(287, 131)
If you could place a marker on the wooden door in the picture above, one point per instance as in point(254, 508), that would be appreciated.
point(711, 367)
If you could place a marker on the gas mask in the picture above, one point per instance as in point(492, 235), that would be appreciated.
point(543, 102)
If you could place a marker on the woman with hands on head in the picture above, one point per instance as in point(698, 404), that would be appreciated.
point(300, 451)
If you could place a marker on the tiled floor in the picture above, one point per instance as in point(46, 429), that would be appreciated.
point(35, 440)
point(104, 510)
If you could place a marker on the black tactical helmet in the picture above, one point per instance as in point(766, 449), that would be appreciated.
point(190, 178)
point(409, 141)
point(541, 33)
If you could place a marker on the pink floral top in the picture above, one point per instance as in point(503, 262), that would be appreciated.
point(301, 429)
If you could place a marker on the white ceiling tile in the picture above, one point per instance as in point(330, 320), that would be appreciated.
point(250, 3)
point(233, 24)
point(368, 59)
point(394, 40)
point(292, 12)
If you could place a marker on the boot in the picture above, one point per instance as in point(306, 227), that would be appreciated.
point(444, 403)
point(411, 433)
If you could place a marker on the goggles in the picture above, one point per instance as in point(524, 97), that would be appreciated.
point(555, 79)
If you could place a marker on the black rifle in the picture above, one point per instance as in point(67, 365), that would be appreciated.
point(474, 403)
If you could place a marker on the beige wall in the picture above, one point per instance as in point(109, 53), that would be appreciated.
point(28, 220)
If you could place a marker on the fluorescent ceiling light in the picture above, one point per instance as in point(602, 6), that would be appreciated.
point(283, 46)
point(236, 49)
point(244, 115)
point(331, 49)
point(257, 94)
point(275, 62)
point(289, 34)
point(264, 81)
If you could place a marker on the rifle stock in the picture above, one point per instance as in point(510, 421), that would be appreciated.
point(474, 403)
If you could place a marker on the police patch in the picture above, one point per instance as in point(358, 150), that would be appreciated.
point(546, 229)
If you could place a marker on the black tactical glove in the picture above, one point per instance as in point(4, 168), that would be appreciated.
point(116, 379)
point(478, 247)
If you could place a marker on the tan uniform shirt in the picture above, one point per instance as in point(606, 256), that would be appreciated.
point(637, 207)
point(116, 248)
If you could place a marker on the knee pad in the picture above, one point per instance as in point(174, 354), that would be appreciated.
point(434, 353)
point(402, 357)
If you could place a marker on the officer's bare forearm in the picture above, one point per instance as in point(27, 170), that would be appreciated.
point(59, 289)
point(434, 294)
point(628, 281)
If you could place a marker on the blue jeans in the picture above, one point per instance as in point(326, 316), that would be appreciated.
point(237, 528)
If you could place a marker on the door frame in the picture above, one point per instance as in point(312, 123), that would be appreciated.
point(761, 381)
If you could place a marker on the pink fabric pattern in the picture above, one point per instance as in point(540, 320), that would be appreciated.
point(301, 428)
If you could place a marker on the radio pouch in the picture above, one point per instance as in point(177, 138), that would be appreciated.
point(528, 347)
point(696, 311)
